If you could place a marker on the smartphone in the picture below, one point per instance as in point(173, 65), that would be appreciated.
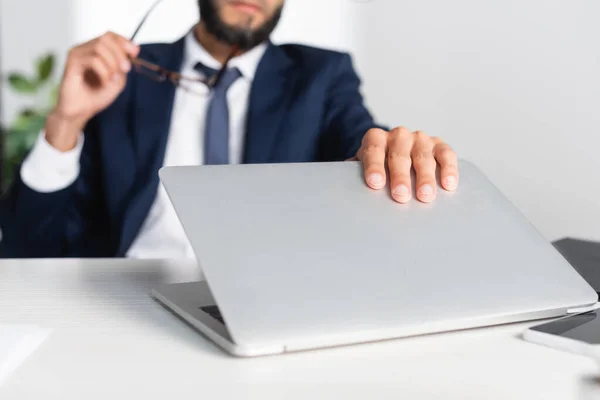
point(579, 333)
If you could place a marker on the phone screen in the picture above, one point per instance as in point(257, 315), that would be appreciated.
point(582, 327)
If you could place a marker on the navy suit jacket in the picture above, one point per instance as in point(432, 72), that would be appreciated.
point(305, 106)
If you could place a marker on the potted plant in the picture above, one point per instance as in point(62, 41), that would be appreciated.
point(20, 135)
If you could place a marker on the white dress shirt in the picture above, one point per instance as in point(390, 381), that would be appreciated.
point(46, 169)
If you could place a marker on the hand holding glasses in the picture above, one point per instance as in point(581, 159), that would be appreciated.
point(96, 73)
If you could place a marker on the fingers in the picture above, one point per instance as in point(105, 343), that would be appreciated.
point(399, 163)
point(113, 53)
point(97, 72)
point(425, 167)
point(372, 154)
point(117, 48)
point(111, 50)
point(448, 162)
point(403, 151)
point(109, 59)
point(131, 49)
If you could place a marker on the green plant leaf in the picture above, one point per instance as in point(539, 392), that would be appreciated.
point(11, 145)
point(45, 67)
point(29, 139)
point(28, 112)
point(19, 83)
point(19, 124)
point(54, 95)
point(17, 142)
point(25, 122)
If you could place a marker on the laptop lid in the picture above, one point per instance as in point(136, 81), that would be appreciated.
point(305, 253)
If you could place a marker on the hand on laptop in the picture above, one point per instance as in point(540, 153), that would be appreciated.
point(401, 149)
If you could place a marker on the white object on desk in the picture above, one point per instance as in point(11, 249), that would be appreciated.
point(112, 340)
point(17, 342)
point(577, 333)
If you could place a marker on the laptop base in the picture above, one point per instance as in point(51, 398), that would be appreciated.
point(194, 303)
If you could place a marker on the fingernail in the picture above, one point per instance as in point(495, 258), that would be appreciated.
point(451, 183)
point(401, 190)
point(426, 190)
point(375, 179)
point(125, 66)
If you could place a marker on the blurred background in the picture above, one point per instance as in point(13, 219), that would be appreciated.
point(512, 85)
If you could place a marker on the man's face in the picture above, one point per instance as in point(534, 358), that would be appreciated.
point(246, 23)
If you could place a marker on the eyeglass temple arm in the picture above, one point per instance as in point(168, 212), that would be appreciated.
point(156, 3)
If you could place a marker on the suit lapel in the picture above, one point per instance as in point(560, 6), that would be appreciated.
point(153, 106)
point(269, 99)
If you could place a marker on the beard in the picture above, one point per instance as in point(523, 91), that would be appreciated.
point(244, 38)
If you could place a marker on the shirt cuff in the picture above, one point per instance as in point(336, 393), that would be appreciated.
point(47, 169)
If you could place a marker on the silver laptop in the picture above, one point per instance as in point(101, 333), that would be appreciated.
point(304, 256)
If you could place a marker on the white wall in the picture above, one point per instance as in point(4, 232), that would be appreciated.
point(29, 28)
point(169, 21)
point(513, 85)
point(332, 26)
point(325, 23)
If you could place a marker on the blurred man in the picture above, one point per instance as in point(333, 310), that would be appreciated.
point(89, 187)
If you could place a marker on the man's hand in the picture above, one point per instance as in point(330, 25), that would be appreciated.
point(95, 74)
point(401, 150)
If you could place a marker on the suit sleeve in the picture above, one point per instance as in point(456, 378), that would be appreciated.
point(37, 223)
point(347, 119)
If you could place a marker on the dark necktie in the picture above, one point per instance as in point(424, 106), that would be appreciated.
point(216, 136)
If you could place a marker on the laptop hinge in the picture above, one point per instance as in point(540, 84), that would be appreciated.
point(580, 310)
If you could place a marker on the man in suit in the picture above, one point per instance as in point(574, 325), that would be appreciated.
point(90, 188)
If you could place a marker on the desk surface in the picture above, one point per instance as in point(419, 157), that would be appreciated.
point(111, 340)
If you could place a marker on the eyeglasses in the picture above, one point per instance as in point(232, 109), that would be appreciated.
point(160, 74)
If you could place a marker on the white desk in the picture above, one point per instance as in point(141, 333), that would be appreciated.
point(112, 341)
